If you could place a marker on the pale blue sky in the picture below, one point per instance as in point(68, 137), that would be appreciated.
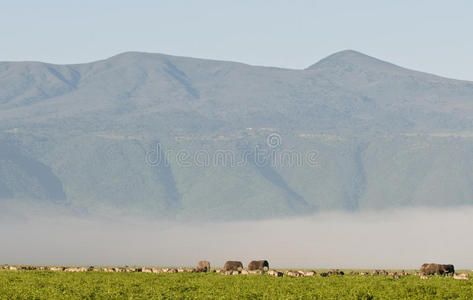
point(432, 36)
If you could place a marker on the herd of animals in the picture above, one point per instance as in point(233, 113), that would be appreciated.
point(254, 267)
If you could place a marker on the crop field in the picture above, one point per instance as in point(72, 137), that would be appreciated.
point(136, 285)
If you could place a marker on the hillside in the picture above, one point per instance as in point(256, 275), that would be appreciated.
point(144, 134)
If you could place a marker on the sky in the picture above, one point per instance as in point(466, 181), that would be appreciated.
point(426, 35)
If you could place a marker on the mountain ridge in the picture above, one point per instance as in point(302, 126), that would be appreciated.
point(342, 53)
point(92, 126)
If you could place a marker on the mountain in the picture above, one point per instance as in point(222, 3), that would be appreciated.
point(173, 137)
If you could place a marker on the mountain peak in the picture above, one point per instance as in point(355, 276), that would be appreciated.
point(347, 54)
point(349, 58)
point(134, 55)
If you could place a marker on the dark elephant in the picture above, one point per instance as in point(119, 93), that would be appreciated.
point(233, 266)
point(203, 266)
point(431, 269)
point(261, 265)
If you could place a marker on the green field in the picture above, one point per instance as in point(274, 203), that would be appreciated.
point(100, 285)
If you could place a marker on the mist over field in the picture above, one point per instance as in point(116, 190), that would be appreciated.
point(403, 238)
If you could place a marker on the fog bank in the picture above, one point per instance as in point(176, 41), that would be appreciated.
point(396, 239)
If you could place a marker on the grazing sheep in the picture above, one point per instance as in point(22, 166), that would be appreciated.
point(462, 276)
point(383, 272)
point(293, 273)
point(75, 269)
point(275, 273)
point(335, 272)
point(307, 273)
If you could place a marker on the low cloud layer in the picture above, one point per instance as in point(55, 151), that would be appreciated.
point(396, 239)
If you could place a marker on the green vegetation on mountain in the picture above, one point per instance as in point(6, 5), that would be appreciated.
point(144, 134)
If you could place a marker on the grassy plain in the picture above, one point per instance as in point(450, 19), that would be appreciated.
point(101, 285)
